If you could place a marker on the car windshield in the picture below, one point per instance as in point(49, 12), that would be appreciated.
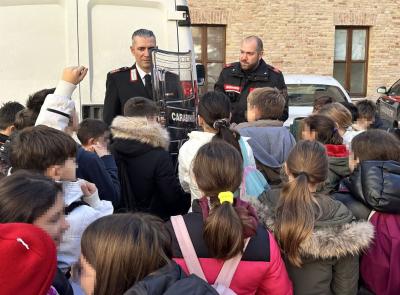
point(305, 94)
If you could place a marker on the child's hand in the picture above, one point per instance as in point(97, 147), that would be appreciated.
point(100, 149)
point(88, 188)
point(74, 75)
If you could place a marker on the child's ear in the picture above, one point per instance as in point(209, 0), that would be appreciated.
point(91, 141)
point(54, 172)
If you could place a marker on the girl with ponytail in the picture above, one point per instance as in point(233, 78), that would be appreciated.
point(319, 242)
point(214, 113)
point(323, 129)
point(222, 227)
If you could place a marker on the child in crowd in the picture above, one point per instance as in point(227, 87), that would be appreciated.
point(270, 141)
point(28, 260)
point(320, 102)
point(8, 114)
point(140, 147)
point(58, 111)
point(214, 113)
point(137, 260)
point(374, 195)
point(33, 198)
point(93, 134)
point(324, 130)
point(7, 119)
point(343, 119)
point(222, 227)
point(52, 153)
point(316, 234)
point(366, 110)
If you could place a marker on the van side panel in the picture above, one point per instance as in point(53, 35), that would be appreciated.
point(38, 39)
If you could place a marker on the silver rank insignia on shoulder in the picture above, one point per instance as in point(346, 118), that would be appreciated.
point(133, 75)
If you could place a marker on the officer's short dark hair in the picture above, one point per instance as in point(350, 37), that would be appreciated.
point(140, 107)
point(91, 128)
point(143, 33)
point(260, 45)
point(270, 102)
point(8, 112)
point(366, 109)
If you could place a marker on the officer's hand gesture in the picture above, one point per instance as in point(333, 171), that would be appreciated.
point(74, 75)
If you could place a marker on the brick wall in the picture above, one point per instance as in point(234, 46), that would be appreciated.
point(299, 36)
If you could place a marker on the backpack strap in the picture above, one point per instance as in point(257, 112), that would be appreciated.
point(74, 205)
point(228, 270)
point(186, 245)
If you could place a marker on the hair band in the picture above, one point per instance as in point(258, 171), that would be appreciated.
point(225, 197)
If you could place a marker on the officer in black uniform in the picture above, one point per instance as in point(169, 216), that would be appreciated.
point(238, 79)
point(128, 82)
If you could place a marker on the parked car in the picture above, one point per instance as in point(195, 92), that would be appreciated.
point(304, 89)
point(389, 104)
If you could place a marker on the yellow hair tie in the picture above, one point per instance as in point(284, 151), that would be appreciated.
point(225, 197)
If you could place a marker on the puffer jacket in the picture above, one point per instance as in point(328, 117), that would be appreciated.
point(330, 255)
point(261, 270)
point(376, 184)
point(171, 280)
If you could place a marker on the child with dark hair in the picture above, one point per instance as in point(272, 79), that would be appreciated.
point(324, 130)
point(322, 101)
point(223, 229)
point(27, 197)
point(8, 113)
point(270, 141)
point(7, 119)
point(214, 113)
point(58, 111)
point(366, 110)
point(373, 194)
point(321, 244)
point(93, 135)
point(52, 152)
point(140, 147)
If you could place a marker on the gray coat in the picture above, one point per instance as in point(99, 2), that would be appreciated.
point(330, 256)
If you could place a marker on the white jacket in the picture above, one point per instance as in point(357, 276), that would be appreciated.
point(188, 152)
point(79, 219)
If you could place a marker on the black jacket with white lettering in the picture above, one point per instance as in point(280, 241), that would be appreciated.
point(237, 84)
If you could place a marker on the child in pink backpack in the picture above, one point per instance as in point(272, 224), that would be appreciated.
point(223, 230)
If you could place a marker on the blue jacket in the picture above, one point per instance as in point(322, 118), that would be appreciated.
point(103, 172)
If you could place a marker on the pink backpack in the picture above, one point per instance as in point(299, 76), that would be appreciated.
point(225, 276)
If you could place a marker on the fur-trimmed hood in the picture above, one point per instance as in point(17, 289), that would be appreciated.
point(334, 240)
point(140, 129)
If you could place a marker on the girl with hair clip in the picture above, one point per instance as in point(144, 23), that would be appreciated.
point(32, 198)
point(323, 129)
point(131, 254)
point(214, 113)
point(372, 193)
point(318, 239)
point(223, 229)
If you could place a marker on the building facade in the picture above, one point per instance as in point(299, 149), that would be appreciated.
point(357, 42)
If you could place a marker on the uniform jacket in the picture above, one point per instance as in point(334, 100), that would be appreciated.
point(330, 254)
point(261, 270)
point(237, 84)
point(125, 83)
point(148, 179)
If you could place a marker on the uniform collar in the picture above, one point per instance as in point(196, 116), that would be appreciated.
point(141, 72)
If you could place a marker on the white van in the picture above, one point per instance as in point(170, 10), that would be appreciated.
point(40, 37)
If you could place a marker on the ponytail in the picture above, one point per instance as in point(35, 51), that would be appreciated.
point(295, 217)
point(225, 226)
point(222, 126)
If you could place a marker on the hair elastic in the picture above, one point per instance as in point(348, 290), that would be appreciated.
point(221, 122)
point(303, 173)
point(225, 197)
